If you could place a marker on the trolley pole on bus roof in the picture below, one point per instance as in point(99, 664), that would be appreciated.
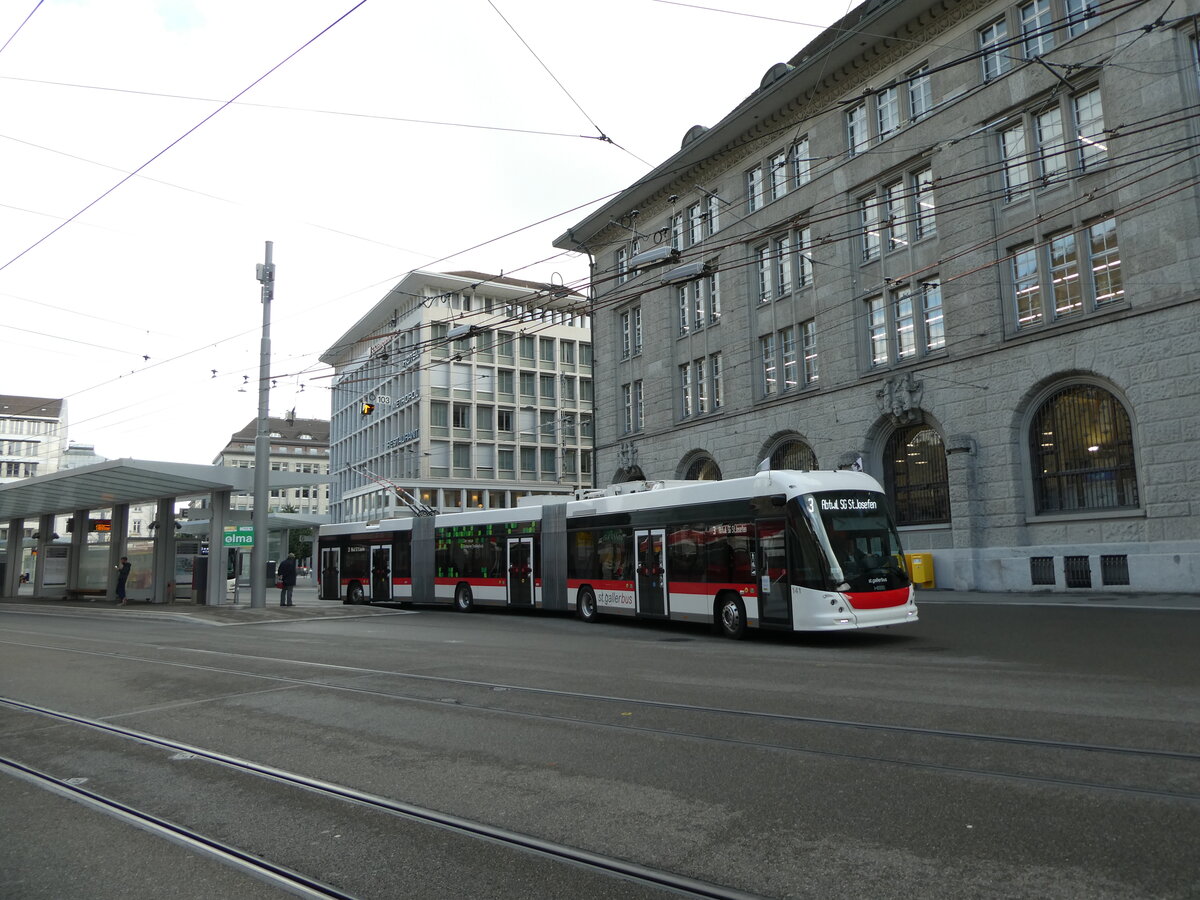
point(262, 443)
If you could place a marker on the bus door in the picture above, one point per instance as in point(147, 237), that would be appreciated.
point(774, 589)
point(651, 572)
point(330, 587)
point(381, 574)
point(520, 571)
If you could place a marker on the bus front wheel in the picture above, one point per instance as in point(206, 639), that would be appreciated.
point(585, 605)
point(731, 616)
point(463, 601)
point(355, 593)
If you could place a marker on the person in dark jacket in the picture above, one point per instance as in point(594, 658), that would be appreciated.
point(123, 578)
point(286, 576)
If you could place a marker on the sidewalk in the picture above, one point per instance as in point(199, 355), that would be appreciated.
point(308, 606)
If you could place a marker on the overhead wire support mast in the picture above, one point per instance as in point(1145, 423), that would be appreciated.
point(262, 442)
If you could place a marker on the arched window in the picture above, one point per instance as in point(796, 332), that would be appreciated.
point(1081, 452)
point(794, 455)
point(914, 464)
point(703, 468)
point(629, 473)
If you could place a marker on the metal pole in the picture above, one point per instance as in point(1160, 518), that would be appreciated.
point(262, 443)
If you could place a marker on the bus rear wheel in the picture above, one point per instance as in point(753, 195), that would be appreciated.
point(355, 593)
point(463, 601)
point(585, 605)
point(731, 616)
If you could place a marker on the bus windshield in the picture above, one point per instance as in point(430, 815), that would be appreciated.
point(860, 540)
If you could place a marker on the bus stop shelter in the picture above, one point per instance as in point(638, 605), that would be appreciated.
point(116, 485)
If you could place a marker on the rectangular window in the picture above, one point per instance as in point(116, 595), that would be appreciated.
point(779, 175)
point(585, 354)
point(1106, 262)
point(528, 386)
point(529, 462)
point(439, 414)
point(869, 216)
point(904, 319)
point(526, 345)
point(504, 420)
point(637, 330)
point(1089, 125)
point(1027, 288)
point(1016, 162)
point(762, 257)
point(568, 353)
point(546, 349)
point(694, 223)
point(639, 408)
point(696, 292)
point(504, 381)
point(920, 93)
point(804, 272)
point(701, 387)
point(684, 305)
point(547, 388)
point(895, 203)
point(767, 354)
point(858, 137)
point(685, 388)
point(1036, 31)
point(1080, 14)
point(801, 162)
point(462, 415)
point(877, 333)
point(712, 213)
point(504, 346)
point(626, 334)
point(935, 326)
point(677, 231)
point(718, 392)
point(887, 111)
point(1051, 149)
point(549, 464)
point(622, 264)
point(1065, 286)
point(627, 406)
point(926, 209)
point(506, 460)
point(754, 188)
point(787, 353)
point(808, 332)
point(714, 298)
point(783, 264)
point(993, 39)
point(568, 390)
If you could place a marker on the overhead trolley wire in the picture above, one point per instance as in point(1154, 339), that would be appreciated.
point(225, 105)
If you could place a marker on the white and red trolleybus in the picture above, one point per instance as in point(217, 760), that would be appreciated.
point(803, 551)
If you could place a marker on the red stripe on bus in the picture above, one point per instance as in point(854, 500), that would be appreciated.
point(474, 582)
point(879, 600)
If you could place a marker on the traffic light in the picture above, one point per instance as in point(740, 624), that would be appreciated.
point(367, 408)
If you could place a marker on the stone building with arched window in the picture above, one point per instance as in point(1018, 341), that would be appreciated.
point(955, 244)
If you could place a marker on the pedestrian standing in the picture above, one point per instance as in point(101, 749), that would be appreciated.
point(286, 576)
point(122, 578)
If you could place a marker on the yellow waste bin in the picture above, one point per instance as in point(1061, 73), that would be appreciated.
point(920, 569)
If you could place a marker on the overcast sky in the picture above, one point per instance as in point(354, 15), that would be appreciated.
point(124, 294)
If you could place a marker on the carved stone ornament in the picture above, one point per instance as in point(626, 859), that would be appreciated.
point(900, 397)
point(627, 455)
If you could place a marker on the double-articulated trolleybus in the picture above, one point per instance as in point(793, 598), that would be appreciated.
point(803, 551)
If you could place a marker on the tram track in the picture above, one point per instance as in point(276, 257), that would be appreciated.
point(1176, 766)
point(290, 878)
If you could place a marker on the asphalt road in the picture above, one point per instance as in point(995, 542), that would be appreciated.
point(987, 751)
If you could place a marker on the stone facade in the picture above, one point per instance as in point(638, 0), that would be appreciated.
point(990, 271)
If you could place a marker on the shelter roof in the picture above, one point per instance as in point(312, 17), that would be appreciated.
point(132, 481)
